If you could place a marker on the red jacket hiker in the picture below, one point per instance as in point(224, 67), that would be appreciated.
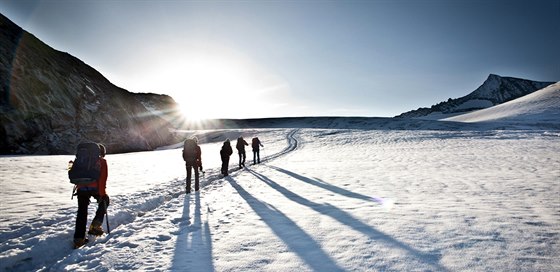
point(96, 190)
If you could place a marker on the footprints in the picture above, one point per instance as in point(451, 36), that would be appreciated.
point(222, 221)
point(127, 244)
point(535, 223)
point(180, 220)
point(163, 238)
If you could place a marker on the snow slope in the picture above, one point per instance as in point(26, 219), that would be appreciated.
point(494, 91)
point(325, 200)
point(542, 106)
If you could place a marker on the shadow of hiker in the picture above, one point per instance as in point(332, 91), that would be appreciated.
point(322, 184)
point(347, 219)
point(297, 240)
point(193, 249)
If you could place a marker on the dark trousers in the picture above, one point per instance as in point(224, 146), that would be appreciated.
point(189, 176)
point(242, 157)
point(225, 165)
point(256, 156)
point(83, 203)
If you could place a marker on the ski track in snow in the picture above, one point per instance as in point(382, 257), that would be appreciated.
point(125, 221)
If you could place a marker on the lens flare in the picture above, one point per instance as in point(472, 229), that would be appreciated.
point(386, 203)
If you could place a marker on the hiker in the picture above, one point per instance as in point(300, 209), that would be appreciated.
point(225, 152)
point(240, 146)
point(256, 144)
point(192, 158)
point(95, 189)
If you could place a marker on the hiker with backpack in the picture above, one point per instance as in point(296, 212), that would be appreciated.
point(192, 157)
point(225, 152)
point(240, 146)
point(89, 172)
point(256, 145)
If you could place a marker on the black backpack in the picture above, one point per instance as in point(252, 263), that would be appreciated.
point(189, 151)
point(86, 167)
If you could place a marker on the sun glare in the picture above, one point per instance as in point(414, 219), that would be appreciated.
point(210, 82)
point(210, 87)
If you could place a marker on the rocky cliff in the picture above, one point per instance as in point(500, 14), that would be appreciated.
point(495, 90)
point(50, 101)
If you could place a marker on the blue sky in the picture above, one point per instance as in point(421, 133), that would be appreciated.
point(249, 59)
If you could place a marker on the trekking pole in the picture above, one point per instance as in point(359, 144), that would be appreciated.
point(107, 218)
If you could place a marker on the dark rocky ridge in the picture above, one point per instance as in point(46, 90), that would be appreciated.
point(50, 101)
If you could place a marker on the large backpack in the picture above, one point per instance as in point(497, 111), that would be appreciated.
point(240, 144)
point(86, 167)
point(189, 151)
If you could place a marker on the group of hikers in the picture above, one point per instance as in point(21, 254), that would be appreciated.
point(89, 174)
point(193, 161)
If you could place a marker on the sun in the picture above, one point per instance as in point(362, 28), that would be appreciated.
point(216, 83)
point(192, 113)
point(208, 87)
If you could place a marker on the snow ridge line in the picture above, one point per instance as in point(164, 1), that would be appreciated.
point(17, 251)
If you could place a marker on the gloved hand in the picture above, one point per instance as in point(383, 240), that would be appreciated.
point(105, 199)
point(199, 163)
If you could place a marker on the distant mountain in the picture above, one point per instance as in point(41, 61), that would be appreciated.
point(540, 107)
point(50, 101)
point(494, 91)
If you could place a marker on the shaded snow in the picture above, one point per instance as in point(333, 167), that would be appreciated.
point(474, 104)
point(438, 115)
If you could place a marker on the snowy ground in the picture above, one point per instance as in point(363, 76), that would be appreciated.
point(325, 200)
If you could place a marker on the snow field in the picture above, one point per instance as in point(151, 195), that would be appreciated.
point(352, 200)
point(38, 215)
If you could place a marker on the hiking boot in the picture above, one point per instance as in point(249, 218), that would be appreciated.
point(79, 242)
point(95, 229)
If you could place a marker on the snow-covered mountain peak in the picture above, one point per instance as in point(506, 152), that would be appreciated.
point(499, 89)
point(491, 84)
point(494, 91)
point(542, 106)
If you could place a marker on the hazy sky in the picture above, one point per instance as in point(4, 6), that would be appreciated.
point(240, 59)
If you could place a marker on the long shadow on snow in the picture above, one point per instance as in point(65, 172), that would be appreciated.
point(294, 237)
point(193, 249)
point(347, 219)
point(322, 184)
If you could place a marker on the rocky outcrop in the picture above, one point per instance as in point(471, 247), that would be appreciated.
point(50, 101)
point(495, 90)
